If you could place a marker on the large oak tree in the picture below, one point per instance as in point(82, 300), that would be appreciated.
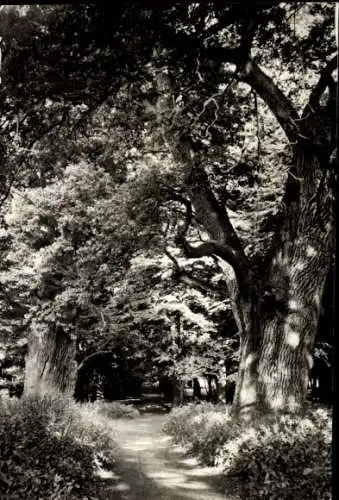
point(276, 303)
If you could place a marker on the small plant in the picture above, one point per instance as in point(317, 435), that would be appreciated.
point(200, 428)
point(212, 430)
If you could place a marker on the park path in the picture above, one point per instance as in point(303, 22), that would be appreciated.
point(149, 467)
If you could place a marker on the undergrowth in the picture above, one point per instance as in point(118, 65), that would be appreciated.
point(274, 457)
point(115, 410)
point(52, 448)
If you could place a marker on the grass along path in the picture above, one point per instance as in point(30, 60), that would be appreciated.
point(149, 467)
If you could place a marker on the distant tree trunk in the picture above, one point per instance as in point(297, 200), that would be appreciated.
point(229, 391)
point(178, 391)
point(209, 388)
point(50, 363)
point(216, 390)
point(322, 382)
point(212, 394)
point(196, 389)
point(166, 388)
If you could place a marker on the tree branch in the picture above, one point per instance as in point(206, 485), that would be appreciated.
point(247, 71)
point(213, 217)
point(324, 81)
point(279, 104)
point(92, 358)
point(44, 131)
point(296, 129)
point(250, 26)
point(188, 219)
point(209, 248)
point(188, 279)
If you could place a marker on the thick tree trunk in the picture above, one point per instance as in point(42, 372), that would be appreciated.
point(50, 363)
point(280, 323)
point(273, 376)
point(276, 310)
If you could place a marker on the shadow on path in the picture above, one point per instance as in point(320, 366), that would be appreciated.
point(150, 468)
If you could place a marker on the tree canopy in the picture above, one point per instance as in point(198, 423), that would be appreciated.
point(159, 162)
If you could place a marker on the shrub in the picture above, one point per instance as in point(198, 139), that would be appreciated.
point(281, 457)
point(115, 410)
point(178, 423)
point(200, 428)
point(50, 448)
point(212, 431)
point(274, 457)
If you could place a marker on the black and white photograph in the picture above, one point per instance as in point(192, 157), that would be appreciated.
point(168, 175)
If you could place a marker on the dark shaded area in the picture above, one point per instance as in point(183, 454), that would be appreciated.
point(321, 376)
point(104, 375)
point(178, 392)
point(12, 369)
point(230, 390)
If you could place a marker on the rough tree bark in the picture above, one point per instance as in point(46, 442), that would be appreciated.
point(50, 363)
point(277, 344)
point(277, 306)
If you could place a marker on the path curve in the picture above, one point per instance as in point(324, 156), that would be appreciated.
point(149, 467)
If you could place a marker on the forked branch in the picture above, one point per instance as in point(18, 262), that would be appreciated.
point(213, 248)
point(188, 278)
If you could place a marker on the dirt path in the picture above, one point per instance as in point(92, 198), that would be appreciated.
point(150, 468)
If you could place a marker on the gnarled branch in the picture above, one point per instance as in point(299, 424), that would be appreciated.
point(188, 278)
point(247, 71)
point(88, 363)
point(324, 81)
point(278, 103)
point(213, 248)
point(224, 241)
